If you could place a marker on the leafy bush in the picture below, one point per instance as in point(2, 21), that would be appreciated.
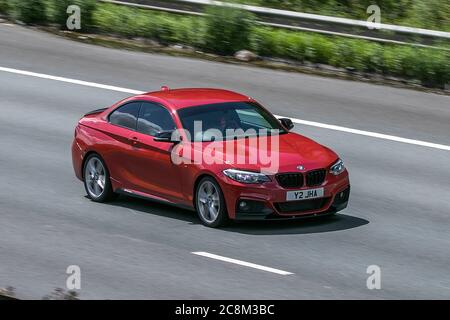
point(430, 14)
point(227, 30)
point(58, 12)
point(165, 28)
point(372, 57)
point(433, 68)
point(321, 49)
point(433, 14)
point(348, 54)
point(28, 11)
point(4, 6)
point(277, 43)
point(264, 42)
point(430, 66)
point(111, 19)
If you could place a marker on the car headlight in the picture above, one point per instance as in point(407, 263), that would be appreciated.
point(337, 168)
point(246, 176)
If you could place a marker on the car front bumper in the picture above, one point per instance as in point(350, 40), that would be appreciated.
point(268, 201)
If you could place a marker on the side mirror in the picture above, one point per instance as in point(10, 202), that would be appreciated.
point(287, 123)
point(165, 136)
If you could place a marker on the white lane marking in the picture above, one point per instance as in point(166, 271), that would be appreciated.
point(68, 80)
point(299, 121)
point(242, 263)
point(371, 134)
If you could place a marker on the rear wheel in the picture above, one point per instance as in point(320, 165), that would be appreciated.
point(210, 203)
point(96, 180)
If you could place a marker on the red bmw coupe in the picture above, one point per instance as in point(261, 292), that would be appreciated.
point(214, 151)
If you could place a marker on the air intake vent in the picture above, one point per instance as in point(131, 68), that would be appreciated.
point(301, 206)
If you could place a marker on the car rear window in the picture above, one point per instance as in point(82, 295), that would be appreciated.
point(126, 115)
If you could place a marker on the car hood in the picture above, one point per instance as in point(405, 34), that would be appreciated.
point(267, 155)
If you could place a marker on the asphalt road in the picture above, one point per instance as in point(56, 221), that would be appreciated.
point(398, 217)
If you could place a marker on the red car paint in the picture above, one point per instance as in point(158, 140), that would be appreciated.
point(141, 166)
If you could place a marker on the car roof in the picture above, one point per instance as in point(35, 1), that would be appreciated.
point(187, 97)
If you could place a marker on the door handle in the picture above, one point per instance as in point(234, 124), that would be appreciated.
point(133, 140)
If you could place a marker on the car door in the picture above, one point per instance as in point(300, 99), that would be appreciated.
point(122, 124)
point(151, 161)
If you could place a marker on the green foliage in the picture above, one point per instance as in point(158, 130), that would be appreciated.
point(224, 31)
point(433, 68)
point(227, 29)
point(430, 66)
point(433, 14)
point(165, 28)
point(57, 10)
point(28, 11)
point(4, 6)
point(321, 49)
point(430, 14)
point(277, 43)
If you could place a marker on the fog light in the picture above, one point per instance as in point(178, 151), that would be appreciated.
point(243, 205)
point(252, 207)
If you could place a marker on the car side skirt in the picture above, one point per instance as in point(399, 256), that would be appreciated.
point(140, 195)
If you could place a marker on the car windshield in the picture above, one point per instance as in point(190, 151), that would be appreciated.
point(225, 121)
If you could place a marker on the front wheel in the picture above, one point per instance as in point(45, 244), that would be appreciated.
point(96, 180)
point(210, 203)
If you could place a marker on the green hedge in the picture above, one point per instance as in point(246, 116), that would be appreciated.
point(430, 66)
point(225, 31)
point(165, 28)
point(49, 11)
point(57, 12)
point(4, 7)
point(431, 14)
point(28, 11)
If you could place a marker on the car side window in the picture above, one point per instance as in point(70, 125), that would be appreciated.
point(154, 118)
point(126, 115)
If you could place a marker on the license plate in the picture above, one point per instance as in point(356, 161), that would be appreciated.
point(304, 194)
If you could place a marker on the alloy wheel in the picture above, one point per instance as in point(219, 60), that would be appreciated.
point(208, 201)
point(95, 176)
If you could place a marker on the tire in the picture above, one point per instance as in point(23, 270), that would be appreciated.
point(210, 203)
point(97, 180)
